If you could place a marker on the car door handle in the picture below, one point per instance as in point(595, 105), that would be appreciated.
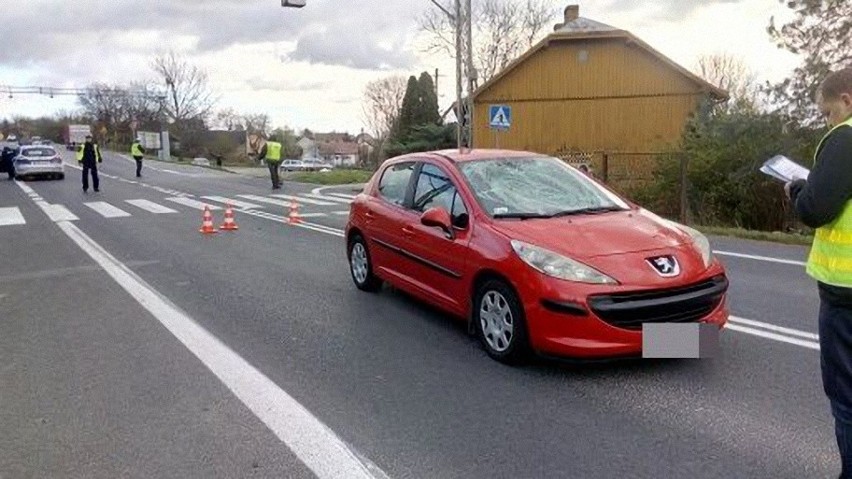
point(408, 231)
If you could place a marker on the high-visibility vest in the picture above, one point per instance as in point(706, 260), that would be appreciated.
point(830, 258)
point(135, 149)
point(82, 148)
point(273, 151)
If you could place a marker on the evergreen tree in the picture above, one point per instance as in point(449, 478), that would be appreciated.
point(408, 115)
point(428, 114)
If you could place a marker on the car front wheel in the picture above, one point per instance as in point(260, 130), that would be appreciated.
point(500, 323)
point(361, 266)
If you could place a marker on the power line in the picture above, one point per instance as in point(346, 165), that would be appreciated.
point(11, 91)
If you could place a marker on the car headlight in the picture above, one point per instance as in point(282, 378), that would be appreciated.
point(558, 266)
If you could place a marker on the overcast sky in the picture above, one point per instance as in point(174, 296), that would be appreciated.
point(307, 67)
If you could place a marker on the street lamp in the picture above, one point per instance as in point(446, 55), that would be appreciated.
point(293, 3)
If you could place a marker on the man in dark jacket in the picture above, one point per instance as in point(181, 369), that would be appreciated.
point(90, 159)
point(6, 161)
point(823, 202)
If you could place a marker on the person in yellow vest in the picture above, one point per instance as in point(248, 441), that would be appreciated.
point(137, 152)
point(89, 155)
point(271, 152)
point(824, 202)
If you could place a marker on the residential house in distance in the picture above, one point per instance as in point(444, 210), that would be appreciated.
point(339, 149)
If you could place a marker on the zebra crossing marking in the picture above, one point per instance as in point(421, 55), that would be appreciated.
point(151, 207)
point(192, 203)
point(107, 210)
point(11, 216)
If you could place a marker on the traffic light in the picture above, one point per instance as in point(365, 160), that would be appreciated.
point(293, 3)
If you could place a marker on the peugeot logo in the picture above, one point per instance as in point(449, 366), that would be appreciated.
point(665, 266)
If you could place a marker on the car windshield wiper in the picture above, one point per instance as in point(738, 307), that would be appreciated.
point(520, 216)
point(586, 211)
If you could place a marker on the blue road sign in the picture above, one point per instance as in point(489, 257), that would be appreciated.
point(500, 117)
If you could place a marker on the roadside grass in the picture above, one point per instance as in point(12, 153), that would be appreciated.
point(773, 236)
point(333, 177)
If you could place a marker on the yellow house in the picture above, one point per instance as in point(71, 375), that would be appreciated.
point(593, 92)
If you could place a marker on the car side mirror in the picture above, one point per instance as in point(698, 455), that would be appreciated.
point(438, 218)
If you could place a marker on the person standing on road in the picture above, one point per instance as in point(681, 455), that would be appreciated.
point(6, 158)
point(823, 202)
point(138, 152)
point(89, 156)
point(271, 152)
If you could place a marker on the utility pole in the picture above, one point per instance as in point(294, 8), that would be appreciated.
point(436, 83)
point(470, 72)
point(460, 114)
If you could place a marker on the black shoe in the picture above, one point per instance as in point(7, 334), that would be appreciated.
point(97, 190)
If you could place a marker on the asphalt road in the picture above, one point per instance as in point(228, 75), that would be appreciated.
point(98, 382)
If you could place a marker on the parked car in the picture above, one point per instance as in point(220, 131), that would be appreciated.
point(536, 256)
point(293, 165)
point(38, 160)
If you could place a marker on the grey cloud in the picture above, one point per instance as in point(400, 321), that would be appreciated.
point(216, 24)
point(332, 48)
point(285, 84)
point(671, 9)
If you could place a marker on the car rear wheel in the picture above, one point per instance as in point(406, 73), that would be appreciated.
point(500, 323)
point(361, 266)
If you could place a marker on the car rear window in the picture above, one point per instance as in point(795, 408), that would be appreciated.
point(38, 152)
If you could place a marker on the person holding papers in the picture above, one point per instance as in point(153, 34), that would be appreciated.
point(822, 201)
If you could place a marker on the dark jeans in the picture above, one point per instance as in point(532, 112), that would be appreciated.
point(138, 165)
point(93, 167)
point(835, 337)
point(273, 173)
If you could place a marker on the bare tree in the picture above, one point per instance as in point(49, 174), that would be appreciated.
point(229, 120)
point(731, 74)
point(259, 123)
point(189, 96)
point(502, 31)
point(381, 106)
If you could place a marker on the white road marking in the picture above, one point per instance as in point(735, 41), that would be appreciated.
point(777, 337)
point(342, 213)
point(317, 446)
point(760, 258)
point(305, 225)
point(107, 210)
point(343, 195)
point(772, 327)
point(57, 213)
point(192, 203)
point(301, 199)
point(271, 201)
point(328, 198)
point(11, 216)
point(235, 203)
point(151, 207)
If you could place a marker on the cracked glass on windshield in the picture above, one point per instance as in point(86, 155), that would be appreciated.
point(535, 186)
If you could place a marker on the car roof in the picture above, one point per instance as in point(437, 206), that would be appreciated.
point(456, 156)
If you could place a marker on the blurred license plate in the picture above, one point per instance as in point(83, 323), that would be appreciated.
point(680, 340)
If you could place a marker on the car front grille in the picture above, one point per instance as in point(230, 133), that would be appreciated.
point(677, 305)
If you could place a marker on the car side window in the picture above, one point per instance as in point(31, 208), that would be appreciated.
point(394, 182)
point(436, 189)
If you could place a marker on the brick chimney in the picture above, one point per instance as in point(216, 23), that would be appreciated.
point(572, 12)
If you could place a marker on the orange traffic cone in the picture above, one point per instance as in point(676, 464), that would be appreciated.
point(229, 224)
point(207, 223)
point(294, 218)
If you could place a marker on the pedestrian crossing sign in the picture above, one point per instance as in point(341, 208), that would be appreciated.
point(500, 117)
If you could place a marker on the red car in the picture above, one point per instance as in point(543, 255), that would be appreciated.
point(537, 256)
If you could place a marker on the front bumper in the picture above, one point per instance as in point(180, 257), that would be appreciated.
point(22, 169)
point(593, 323)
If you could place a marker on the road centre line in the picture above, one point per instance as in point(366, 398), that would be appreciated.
point(317, 446)
point(772, 327)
